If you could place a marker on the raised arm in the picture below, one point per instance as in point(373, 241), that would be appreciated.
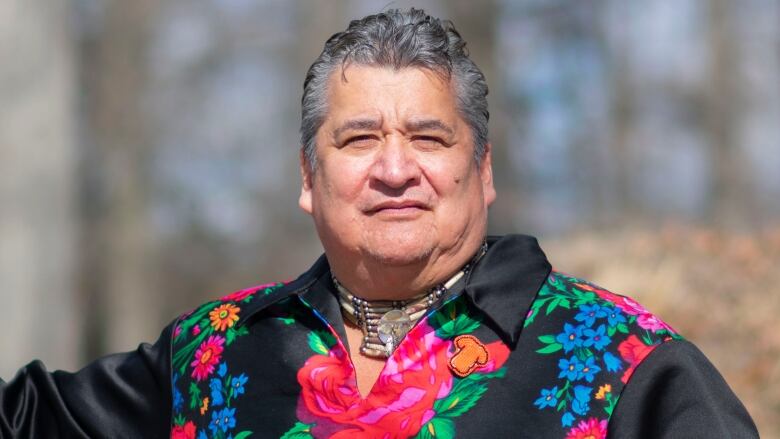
point(119, 396)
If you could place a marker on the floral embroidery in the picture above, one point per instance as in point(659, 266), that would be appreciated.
point(606, 334)
point(416, 393)
point(206, 357)
point(590, 429)
point(224, 316)
point(186, 431)
point(200, 339)
point(596, 341)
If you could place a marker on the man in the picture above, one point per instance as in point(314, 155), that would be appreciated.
point(413, 323)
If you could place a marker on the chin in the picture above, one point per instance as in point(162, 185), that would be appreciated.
point(398, 249)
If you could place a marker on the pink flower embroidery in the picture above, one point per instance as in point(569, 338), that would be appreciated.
point(402, 399)
point(590, 429)
point(206, 357)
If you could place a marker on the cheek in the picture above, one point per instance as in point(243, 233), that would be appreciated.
point(340, 183)
point(450, 180)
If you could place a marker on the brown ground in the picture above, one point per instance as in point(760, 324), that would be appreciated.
point(719, 289)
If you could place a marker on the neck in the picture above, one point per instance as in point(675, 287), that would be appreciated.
point(377, 280)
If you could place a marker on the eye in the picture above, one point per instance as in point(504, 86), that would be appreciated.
point(428, 141)
point(362, 140)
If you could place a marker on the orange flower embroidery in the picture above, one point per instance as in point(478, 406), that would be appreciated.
point(204, 406)
point(224, 316)
point(603, 390)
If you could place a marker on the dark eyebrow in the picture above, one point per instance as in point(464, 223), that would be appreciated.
point(357, 124)
point(428, 124)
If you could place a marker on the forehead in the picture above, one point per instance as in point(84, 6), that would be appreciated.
point(390, 94)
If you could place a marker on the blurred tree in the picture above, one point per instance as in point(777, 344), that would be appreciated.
point(38, 206)
point(119, 277)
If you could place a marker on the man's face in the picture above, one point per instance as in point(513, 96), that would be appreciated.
point(396, 180)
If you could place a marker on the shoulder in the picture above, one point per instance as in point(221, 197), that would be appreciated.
point(225, 312)
point(588, 303)
point(594, 340)
point(676, 375)
point(227, 315)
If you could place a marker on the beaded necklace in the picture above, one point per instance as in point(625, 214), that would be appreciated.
point(385, 322)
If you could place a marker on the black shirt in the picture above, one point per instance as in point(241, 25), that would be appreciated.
point(516, 350)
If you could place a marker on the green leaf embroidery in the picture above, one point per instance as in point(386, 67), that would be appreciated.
point(242, 435)
point(230, 336)
point(584, 298)
point(187, 323)
point(550, 348)
point(453, 319)
point(551, 307)
point(194, 396)
point(287, 320)
point(271, 289)
point(611, 331)
point(437, 427)
point(299, 431)
point(547, 339)
point(321, 341)
point(460, 400)
point(622, 328)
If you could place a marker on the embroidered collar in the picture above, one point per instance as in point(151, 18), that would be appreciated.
point(502, 291)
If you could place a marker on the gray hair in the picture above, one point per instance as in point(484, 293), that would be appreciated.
point(397, 39)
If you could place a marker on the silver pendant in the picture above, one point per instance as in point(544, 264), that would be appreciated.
point(392, 327)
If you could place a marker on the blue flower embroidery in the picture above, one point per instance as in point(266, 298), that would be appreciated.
point(178, 399)
point(613, 363)
point(216, 392)
point(581, 399)
point(597, 338)
point(615, 316)
point(222, 370)
point(548, 398)
point(589, 369)
point(571, 337)
point(222, 420)
point(567, 419)
point(570, 369)
point(237, 383)
point(589, 314)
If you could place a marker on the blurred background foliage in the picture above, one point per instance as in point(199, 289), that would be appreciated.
point(148, 160)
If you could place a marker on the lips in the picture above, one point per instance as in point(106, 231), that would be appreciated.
point(397, 206)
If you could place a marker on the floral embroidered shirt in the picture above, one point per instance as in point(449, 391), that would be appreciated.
point(515, 350)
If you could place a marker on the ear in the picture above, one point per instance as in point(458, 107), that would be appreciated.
point(305, 201)
point(486, 175)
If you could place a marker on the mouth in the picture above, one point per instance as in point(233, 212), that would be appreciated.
point(398, 207)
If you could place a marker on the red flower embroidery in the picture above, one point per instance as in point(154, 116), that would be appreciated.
point(590, 429)
point(206, 357)
point(402, 399)
point(633, 351)
point(186, 431)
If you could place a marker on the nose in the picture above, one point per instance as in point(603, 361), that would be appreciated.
point(395, 166)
